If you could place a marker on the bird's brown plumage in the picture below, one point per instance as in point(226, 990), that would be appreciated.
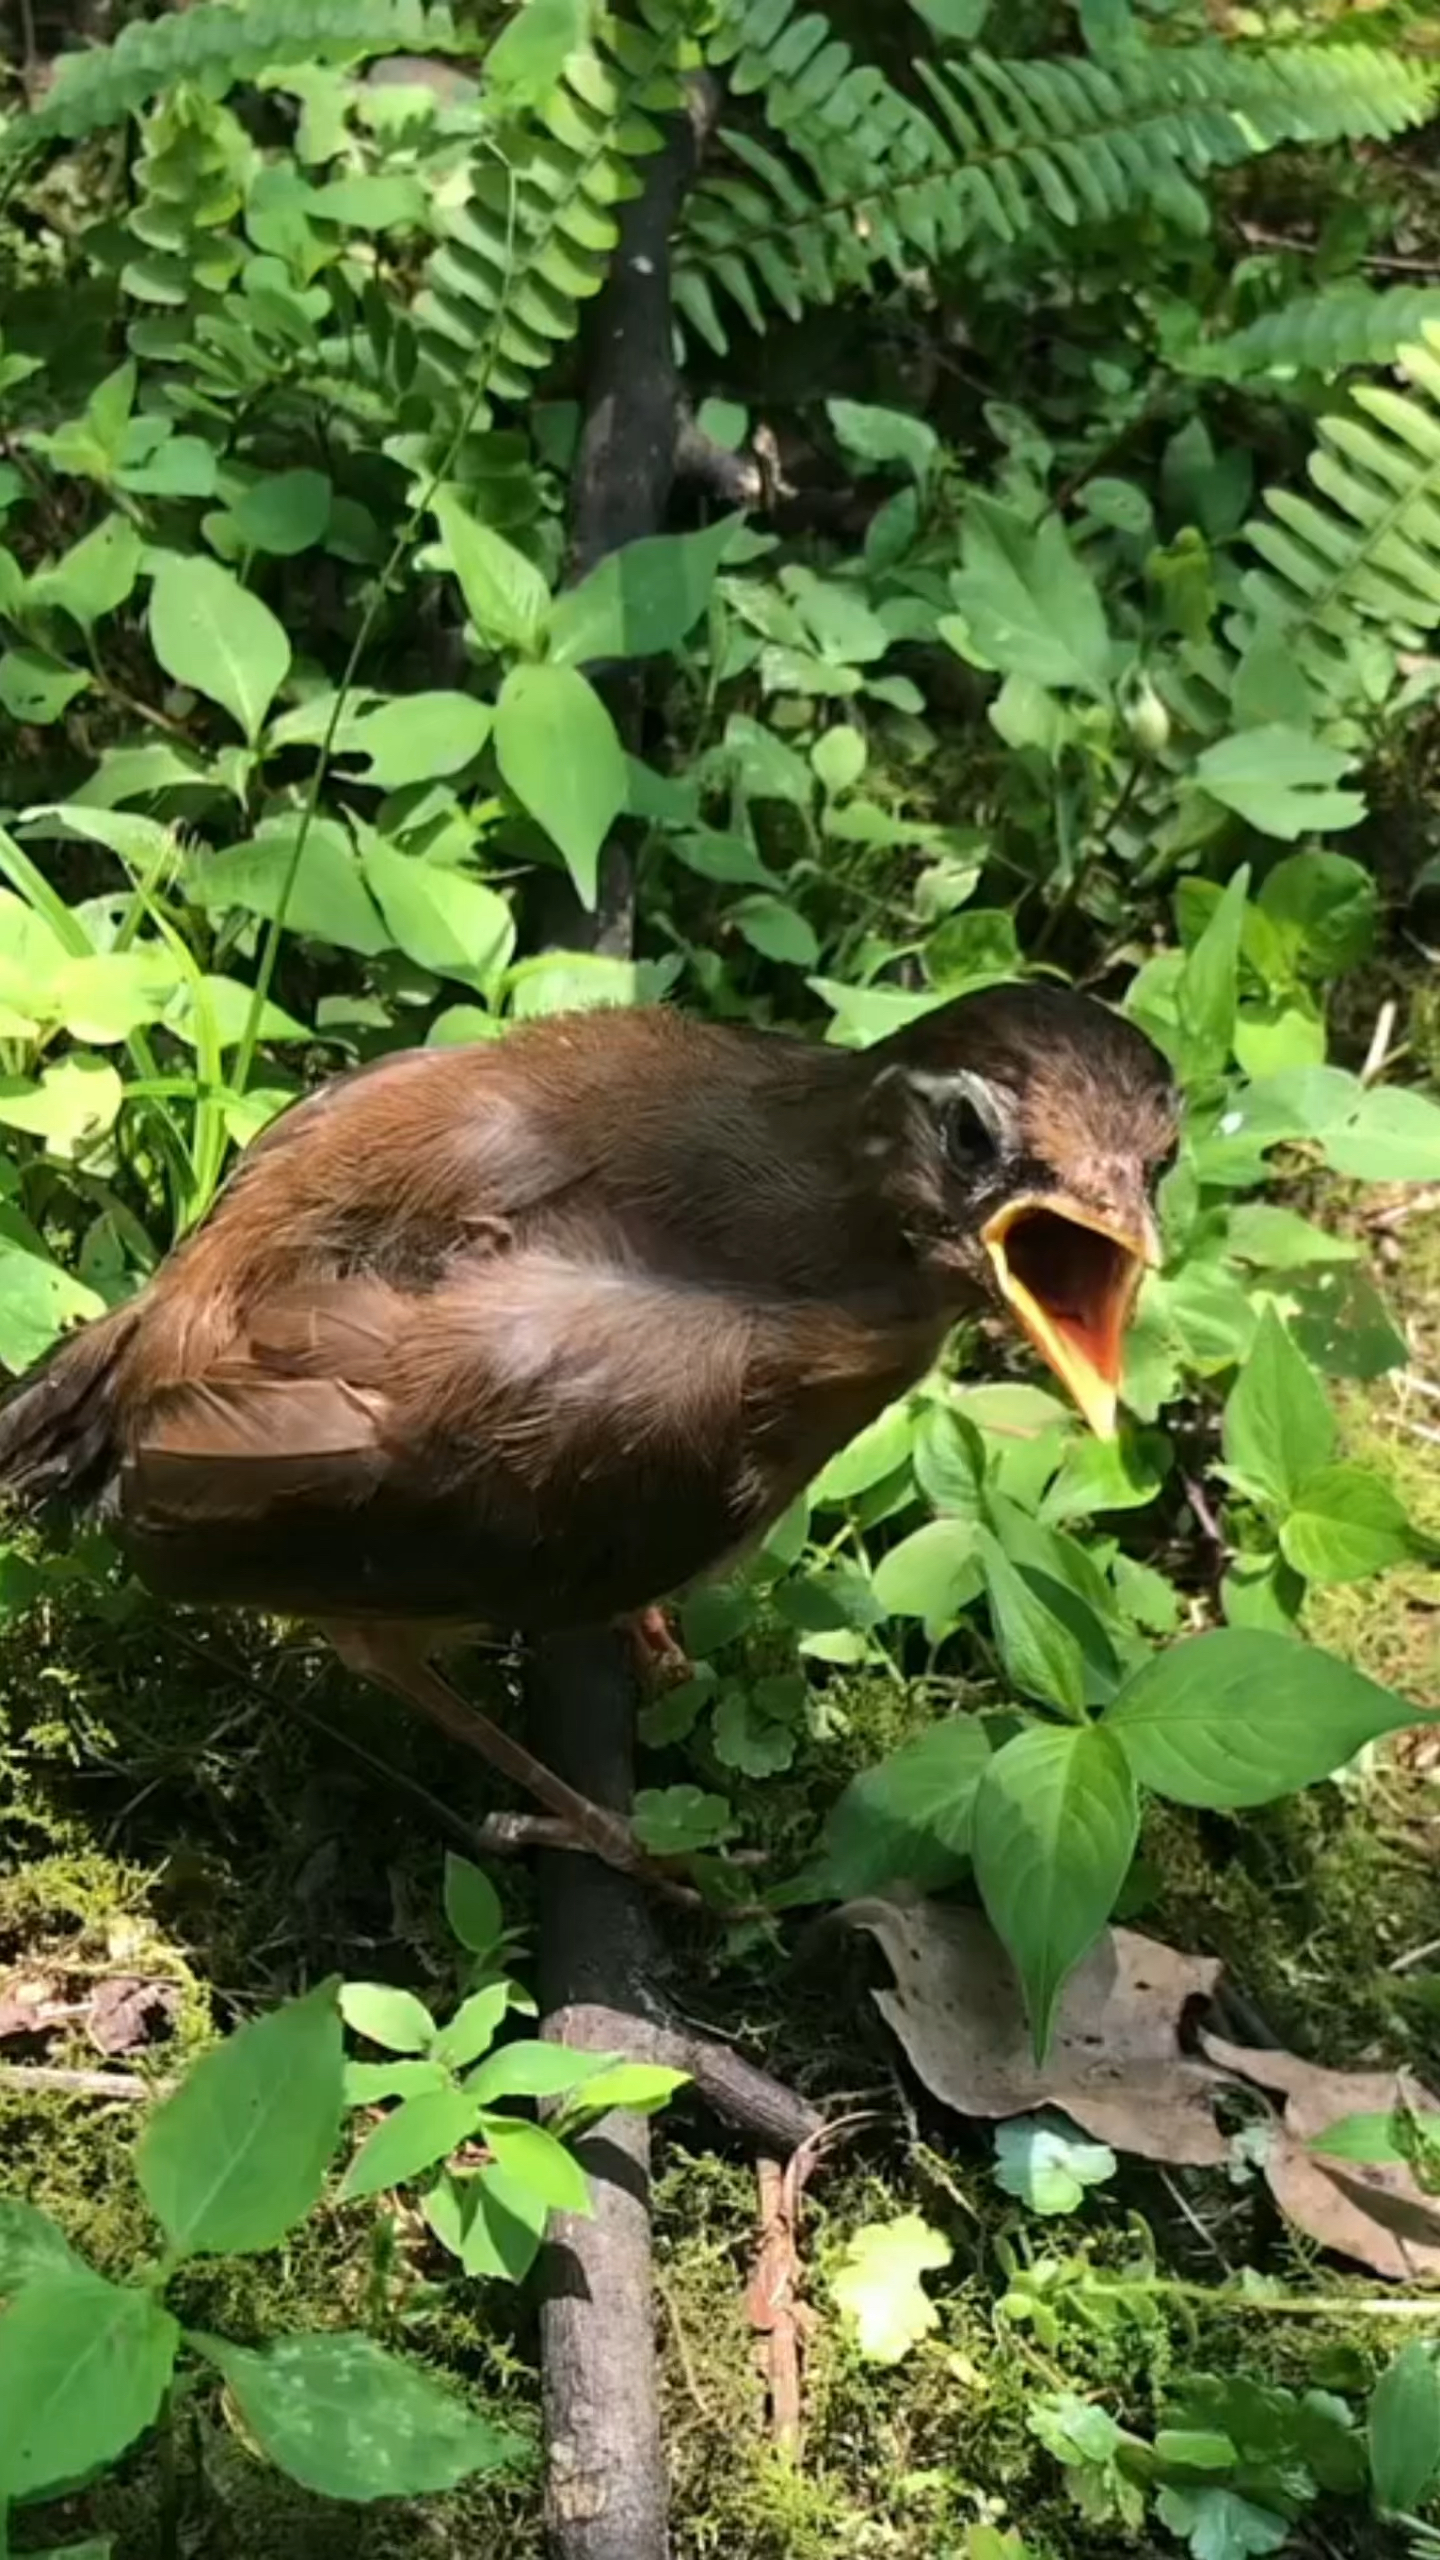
point(536, 1332)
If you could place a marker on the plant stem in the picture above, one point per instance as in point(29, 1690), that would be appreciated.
point(401, 545)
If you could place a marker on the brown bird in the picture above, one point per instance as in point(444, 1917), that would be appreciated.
point(531, 1335)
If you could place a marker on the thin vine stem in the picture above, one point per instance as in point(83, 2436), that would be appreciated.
point(400, 547)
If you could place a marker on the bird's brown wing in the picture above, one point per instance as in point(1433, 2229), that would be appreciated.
point(531, 1439)
point(534, 1441)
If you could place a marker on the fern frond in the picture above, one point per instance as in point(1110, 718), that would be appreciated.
point(1366, 548)
point(533, 238)
point(1329, 332)
point(1013, 147)
point(220, 43)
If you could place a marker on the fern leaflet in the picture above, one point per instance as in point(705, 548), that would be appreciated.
point(1327, 332)
point(220, 43)
point(533, 238)
point(1368, 545)
point(1013, 148)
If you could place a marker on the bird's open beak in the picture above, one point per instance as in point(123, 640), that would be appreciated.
point(1071, 1276)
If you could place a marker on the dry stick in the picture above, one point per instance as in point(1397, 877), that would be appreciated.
point(605, 2480)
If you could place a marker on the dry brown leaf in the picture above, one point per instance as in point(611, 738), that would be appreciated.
point(32, 2003)
point(1115, 2064)
point(128, 2012)
point(1378, 2215)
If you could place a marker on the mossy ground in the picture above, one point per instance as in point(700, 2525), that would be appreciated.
point(164, 1811)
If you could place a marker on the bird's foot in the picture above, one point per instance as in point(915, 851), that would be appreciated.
point(660, 1658)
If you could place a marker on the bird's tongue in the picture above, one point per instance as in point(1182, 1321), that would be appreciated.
point(1070, 1285)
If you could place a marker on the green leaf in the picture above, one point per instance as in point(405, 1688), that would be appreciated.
point(672, 1821)
point(1041, 1652)
point(1241, 1715)
point(716, 1614)
point(238, 2155)
point(1218, 2524)
point(753, 1734)
point(328, 899)
point(1031, 607)
point(1278, 1426)
point(530, 2068)
point(493, 2222)
point(1280, 781)
point(109, 994)
point(95, 576)
point(474, 2026)
point(873, 1454)
point(369, 2084)
point(877, 2285)
point(37, 689)
point(472, 1905)
point(1389, 1136)
point(909, 1816)
point(839, 757)
point(933, 1574)
point(1375, 2141)
point(419, 737)
point(526, 58)
point(32, 2245)
point(75, 1103)
point(1279, 1239)
point(1325, 907)
point(1107, 1475)
point(556, 747)
point(777, 930)
point(438, 917)
point(640, 601)
point(84, 2366)
point(346, 2419)
point(285, 513)
point(209, 633)
point(1048, 2164)
point(421, 2131)
point(642, 2088)
point(949, 1458)
point(1270, 1037)
point(386, 2016)
point(527, 2152)
point(37, 1297)
point(1269, 686)
point(505, 595)
point(1404, 2429)
point(886, 435)
point(1206, 994)
point(1345, 1524)
point(1055, 1824)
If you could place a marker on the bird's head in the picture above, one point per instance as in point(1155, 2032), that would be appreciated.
point(1024, 1129)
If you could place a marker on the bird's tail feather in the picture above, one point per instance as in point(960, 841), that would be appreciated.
point(57, 1423)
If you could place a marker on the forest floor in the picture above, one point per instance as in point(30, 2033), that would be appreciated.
point(167, 1816)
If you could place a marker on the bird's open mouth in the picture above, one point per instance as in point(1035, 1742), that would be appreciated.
point(1071, 1281)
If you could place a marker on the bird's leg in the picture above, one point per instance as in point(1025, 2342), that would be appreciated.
point(391, 1657)
point(660, 1656)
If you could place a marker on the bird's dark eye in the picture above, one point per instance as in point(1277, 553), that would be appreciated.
point(969, 1139)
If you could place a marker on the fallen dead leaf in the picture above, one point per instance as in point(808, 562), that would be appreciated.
point(128, 2013)
point(30, 2004)
point(1376, 2214)
point(1117, 2067)
point(1115, 2064)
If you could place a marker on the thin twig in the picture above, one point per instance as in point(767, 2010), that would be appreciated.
point(682, 2348)
point(1380, 1038)
point(1257, 237)
point(44, 2076)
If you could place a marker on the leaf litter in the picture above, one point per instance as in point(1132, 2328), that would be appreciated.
point(1119, 2066)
